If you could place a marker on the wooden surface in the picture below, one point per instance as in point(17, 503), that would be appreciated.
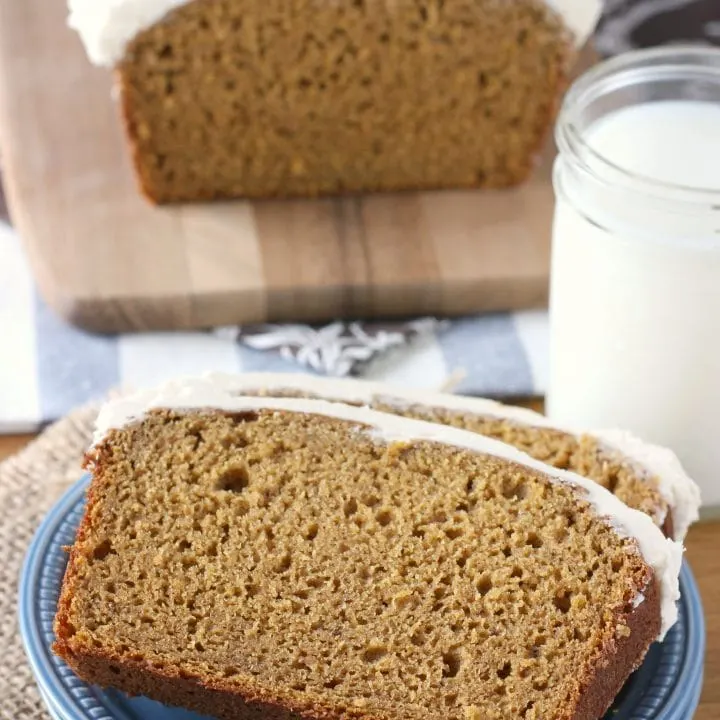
point(10, 444)
point(702, 553)
point(107, 260)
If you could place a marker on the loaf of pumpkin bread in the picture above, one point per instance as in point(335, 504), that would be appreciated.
point(237, 98)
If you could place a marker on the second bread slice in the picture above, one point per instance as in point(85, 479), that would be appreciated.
point(642, 475)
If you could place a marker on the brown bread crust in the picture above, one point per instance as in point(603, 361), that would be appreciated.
point(623, 657)
point(668, 526)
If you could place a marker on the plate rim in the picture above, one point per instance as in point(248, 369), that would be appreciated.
point(63, 705)
point(59, 701)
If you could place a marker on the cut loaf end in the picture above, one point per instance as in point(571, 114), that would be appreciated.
point(297, 98)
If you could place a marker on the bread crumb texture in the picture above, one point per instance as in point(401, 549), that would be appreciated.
point(582, 454)
point(299, 561)
point(233, 98)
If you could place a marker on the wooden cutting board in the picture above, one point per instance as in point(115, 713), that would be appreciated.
point(107, 260)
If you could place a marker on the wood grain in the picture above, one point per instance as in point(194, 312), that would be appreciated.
point(108, 261)
point(10, 444)
point(702, 544)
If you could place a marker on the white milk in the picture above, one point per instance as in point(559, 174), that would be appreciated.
point(635, 289)
point(675, 141)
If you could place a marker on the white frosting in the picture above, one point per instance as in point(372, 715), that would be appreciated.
point(679, 491)
point(581, 16)
point(107, 26)
point(661, 553)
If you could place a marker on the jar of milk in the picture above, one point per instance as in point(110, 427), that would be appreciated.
point(635, 288)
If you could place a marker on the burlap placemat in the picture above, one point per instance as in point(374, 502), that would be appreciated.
point(30, 482)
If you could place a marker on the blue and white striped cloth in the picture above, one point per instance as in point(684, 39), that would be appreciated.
point(48, 367)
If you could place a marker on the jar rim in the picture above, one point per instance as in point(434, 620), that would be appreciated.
point(668, 62)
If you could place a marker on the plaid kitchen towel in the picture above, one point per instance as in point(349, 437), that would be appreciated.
point(48, 367)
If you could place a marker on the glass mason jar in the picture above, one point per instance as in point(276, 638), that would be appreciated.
point(635, 281)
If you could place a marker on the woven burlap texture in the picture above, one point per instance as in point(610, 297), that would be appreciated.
point(30, 482)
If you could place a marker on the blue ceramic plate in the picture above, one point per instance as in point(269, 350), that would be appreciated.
point(666, 687)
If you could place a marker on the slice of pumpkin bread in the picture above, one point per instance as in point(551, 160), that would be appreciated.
point(247, 557)
point(642, 475)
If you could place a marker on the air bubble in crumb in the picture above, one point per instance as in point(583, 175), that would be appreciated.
point(374, 652)
point(233, 479)
point(102, 550)
point(451, 663)
point(484, 585)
